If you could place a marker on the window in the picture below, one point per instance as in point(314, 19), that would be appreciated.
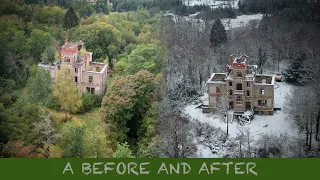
point(239, 74)
point(231, 93)
point(239, 100)
point(262, 91)
point(90, 90)
point(76, 70)
point(90, 79)
point(76, 79)
point(218, 89)
point(66, 59)
point(239, 86)
point(230, 83)
point(248, 84)
point(262, 103)
point(248, 93)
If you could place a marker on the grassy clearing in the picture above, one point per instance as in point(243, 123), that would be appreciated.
point(58, 117)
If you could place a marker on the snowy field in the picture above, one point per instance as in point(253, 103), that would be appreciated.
point(261, 124)
point(240, 21)
point(213, 3)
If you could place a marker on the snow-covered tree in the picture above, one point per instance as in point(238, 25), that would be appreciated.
point(223, 106)
point(300, 107)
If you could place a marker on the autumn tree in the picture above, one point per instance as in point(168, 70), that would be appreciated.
point(20, 119)
point(38, 42)
point(67, 94)
point(39, 86)
point(125, 104)
point(72, 141)
point(18, 149)
point(49, 55)
point(100, 38)
point(147, 57)
point(95, 141)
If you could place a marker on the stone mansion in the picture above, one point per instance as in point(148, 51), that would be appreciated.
point(245, 89)
point(88, 75)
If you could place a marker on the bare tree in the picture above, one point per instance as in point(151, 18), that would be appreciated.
point(241, 138)
point(301, 107)
point(175, 132)
point(223, 105)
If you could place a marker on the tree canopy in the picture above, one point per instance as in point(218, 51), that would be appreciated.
point(67, 94)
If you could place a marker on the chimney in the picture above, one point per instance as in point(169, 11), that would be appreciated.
point(231, 60)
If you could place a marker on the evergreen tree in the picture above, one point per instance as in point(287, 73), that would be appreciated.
point(295, 71)
point(218, 34)
point(70, 19)
point(123, 151)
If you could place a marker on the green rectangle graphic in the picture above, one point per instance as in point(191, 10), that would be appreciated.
point(158, 168)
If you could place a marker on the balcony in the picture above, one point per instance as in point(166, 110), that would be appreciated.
point(239, 92)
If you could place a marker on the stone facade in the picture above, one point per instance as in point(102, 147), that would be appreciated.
point(90, 76)
point(246, 89)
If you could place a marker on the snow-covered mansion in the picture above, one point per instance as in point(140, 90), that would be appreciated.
point(245, 89)
point(90, 76)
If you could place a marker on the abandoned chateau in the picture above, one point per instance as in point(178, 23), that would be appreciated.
point(245, 89)
point(88, 75)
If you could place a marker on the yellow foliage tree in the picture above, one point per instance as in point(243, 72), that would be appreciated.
point(67, 94)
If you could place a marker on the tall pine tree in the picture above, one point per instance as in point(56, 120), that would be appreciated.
point(70, 19)
point(218, 34)
point(295, 72)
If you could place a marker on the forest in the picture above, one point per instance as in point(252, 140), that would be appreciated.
point(159, 64)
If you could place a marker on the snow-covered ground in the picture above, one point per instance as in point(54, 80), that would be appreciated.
point(213, 3)
point(261, 124)
point(240, 21)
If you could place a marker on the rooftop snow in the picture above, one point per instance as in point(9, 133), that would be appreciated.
point(217, 78)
